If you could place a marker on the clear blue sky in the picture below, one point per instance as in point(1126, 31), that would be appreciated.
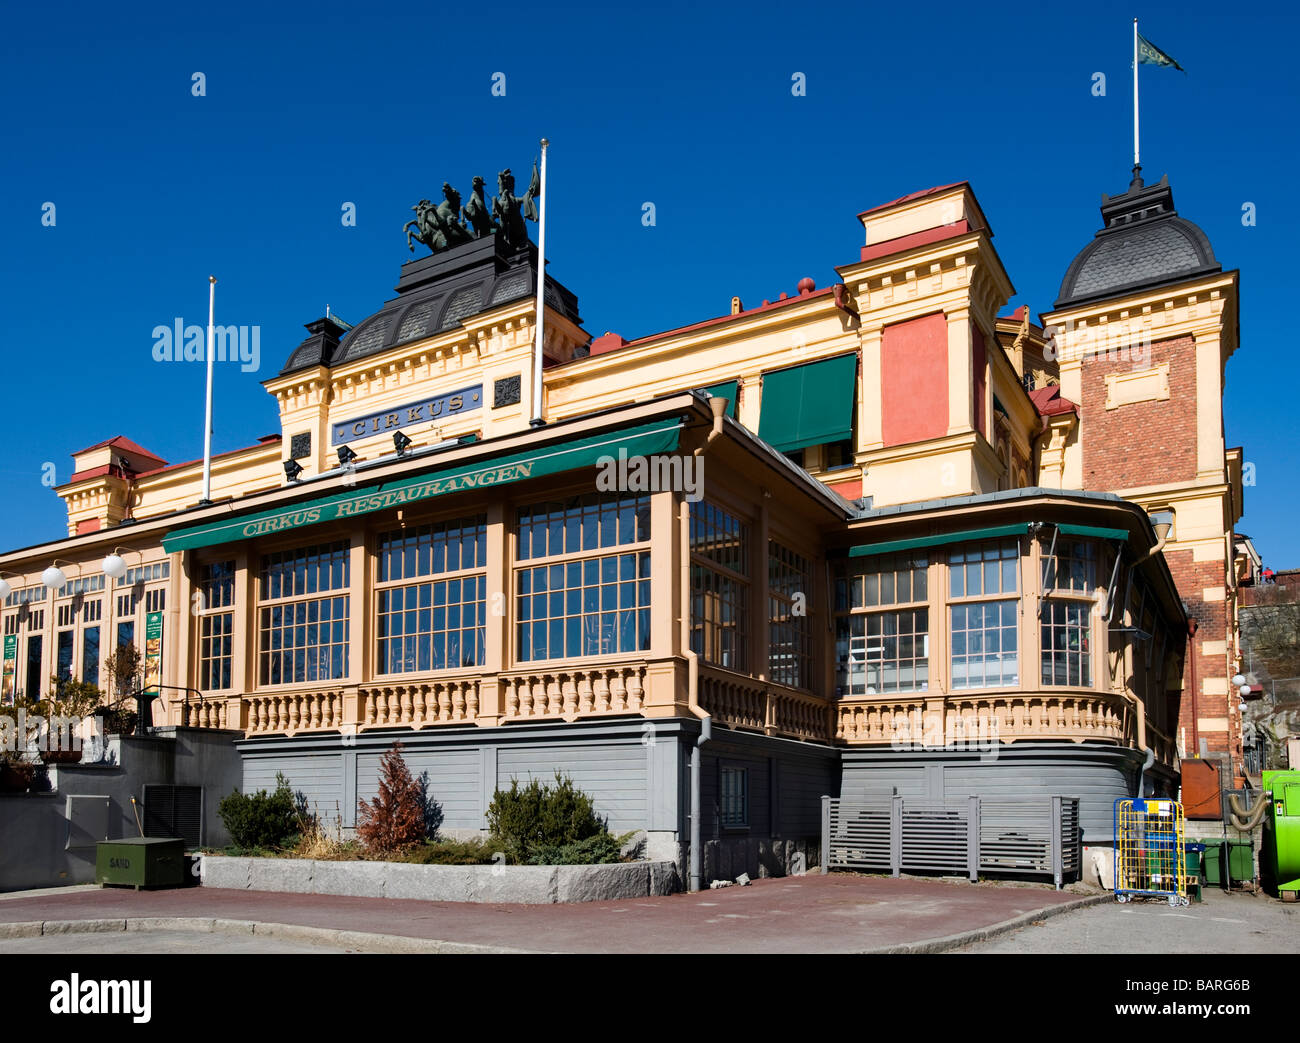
point(685, 105)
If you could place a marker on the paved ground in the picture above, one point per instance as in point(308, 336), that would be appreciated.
point(1223, 923)
point(836, 913)
point(165, 943)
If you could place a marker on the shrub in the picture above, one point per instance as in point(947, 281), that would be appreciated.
point(262, 820)
point(597, 850)
point(398, 818)
point(478, 851)
point(525, 819)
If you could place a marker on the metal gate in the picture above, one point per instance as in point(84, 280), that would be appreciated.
point(1038, 837)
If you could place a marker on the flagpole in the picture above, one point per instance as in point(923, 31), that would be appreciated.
point(1136, 154)
point(537, 420)
point(207, 420)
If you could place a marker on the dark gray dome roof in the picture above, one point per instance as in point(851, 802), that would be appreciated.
point(1143, 244)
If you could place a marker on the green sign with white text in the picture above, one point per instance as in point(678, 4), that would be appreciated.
point(153, 638)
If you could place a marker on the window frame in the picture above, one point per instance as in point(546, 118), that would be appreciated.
point(581, 500)
point(325, 547)
point(951, 601)
point(743, 583)
point(920, 561)
point(1071, 597)
point(378, 588)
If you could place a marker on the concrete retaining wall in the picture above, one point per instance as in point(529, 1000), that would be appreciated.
point(529, 885)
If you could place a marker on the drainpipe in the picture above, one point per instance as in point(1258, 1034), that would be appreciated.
point(1192, 627)
point(719, 407)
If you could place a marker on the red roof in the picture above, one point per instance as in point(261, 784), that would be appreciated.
point(913, 195)
point(123, 443)
point(264, 440)
point(611, 341)
point(1048, 401)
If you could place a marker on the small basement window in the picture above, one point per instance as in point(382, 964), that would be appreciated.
point(734, 798)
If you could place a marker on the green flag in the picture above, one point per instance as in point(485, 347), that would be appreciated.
point(1150, 54)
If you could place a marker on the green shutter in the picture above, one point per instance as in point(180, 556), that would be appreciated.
point(893, 546)
point(809, 405)
point(645, 440)
point(728, 389)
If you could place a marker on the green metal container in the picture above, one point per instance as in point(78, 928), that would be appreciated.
point(1239, 856)
point(1281, 843)
point(141, 862)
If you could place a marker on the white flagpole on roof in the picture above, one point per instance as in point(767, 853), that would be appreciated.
point(207, 419)
point(1136, 154)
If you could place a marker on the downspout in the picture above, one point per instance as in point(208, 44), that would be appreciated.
point(719, 407)
point(1192, 627)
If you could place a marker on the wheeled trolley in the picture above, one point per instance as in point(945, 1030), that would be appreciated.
point(1150, 860)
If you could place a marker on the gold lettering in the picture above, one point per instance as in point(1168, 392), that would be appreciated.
point(359, 428)
point(391, 421)
point(413, 414)
point(457, 402)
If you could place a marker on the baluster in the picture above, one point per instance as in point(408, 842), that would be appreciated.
point(406, 704)
point(584, 693)
point(458, 701)
point(601, 692)
point(526, 697)
point(419, 707)
point(512, 697)
point(636, 690)
point(471, 699)
point(444, 703)
point(569, 693)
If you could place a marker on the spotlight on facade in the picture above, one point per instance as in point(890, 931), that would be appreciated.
point(346, 455)
point(401, 442)
point(292, 469)
point(113, 566)
point(53, 578)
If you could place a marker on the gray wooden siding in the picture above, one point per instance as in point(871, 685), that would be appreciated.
point(318, 776)
point(454, 782)
point(614, 775)
point(801, 785)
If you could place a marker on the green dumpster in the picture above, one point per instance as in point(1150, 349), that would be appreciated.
point(141, 862)
point(1239, 856)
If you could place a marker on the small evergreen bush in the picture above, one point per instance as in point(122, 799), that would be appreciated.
point(524, 820)
point(262, 820)
point(400, 817)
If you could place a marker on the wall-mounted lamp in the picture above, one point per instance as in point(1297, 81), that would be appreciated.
point(55, 578)
point(401, 443)
point(5, 588)
point(292, 469)
point(114, 565)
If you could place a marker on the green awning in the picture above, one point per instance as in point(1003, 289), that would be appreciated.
point(644, 440)
point(810, 404)
point(728, 389)
point(1090, 530)
point(894, 546)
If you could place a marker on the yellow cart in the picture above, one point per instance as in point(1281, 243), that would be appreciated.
point(1149, 858)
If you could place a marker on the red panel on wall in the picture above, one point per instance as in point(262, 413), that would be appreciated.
point(981, 381)
point(914, 380)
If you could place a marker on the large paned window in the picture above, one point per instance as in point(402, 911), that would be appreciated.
point(789, 578)
point(586, 588)
point(1069, 583)
point(720, 568)
point(882, 625)
point(427, 623)
point(984, 614)
point(216, 625)
point(303, 615)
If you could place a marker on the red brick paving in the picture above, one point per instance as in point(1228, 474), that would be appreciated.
point(835, 913)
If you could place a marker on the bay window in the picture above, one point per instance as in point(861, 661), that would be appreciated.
point(585, 589)
point(882, 625)
point(1069, 585)
point(427, 623)
point(984, 615)
point(304, 614)
point(720, 587)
